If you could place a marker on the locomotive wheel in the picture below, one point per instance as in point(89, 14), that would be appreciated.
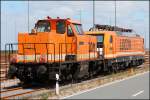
point(41, 73)
point(110, 69)
point(122, 66)
point(105, 68)
point(91, 69)
point(75, 75)
point(41, 70)
point(26, 81)
point(133, 63)
point(138, 62)
point(115, 68)
point(65, 72)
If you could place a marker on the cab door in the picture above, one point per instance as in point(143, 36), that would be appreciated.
point(71, 42)
point(100, 45)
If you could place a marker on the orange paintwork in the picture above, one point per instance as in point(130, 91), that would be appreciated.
point(136, 48)
point(70, 44)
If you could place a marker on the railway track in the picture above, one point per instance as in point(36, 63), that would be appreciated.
point(15, 93)
point(3, 70)
point(9, 83)
point(20, 92)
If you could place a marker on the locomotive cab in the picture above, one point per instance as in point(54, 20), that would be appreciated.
point(65, 37)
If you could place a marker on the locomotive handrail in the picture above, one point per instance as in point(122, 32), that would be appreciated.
point(60, 50)
point(11, 50)
point(34, 47)
point(11, 45)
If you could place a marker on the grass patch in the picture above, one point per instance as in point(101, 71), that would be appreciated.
point(44, 96)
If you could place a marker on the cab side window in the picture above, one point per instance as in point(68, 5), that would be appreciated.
point(69, 31)
point(43, 26)
point(78, 29)
point(60, 27)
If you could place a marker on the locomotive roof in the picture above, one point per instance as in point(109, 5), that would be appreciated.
point(99, 32)
point(110, 28)
point(67, 19)
point(112, 33)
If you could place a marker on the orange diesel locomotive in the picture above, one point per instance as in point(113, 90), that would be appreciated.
point(59, 46)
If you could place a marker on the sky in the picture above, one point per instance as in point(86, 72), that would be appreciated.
point(130, 14)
